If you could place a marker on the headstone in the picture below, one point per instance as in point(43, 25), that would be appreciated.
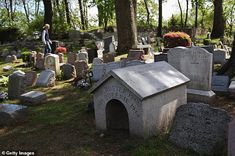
point(68, 71)
point(46, 78)
point(109, 57)
point(141, 99)
point(231, 138)
point(200, 128)
point(231, 87)
point(97, 61)
point(52, 63)
point(220, 83)
point(72, 57)
point(83, 55)
point(92, 53)
point(14, 58)
point(10, 113)
point(135, 55)
point(98, 71)
point(7, 68)
point(160, 57)
point(81, 68)
point(33, 98)
point(31, 78)
point(112, 48)
point(16, 85)
point(219, 56)
point(40, 61)
point(33, 58)
point(107, 42)
point(61, 57)
point(8, 59)
point(196, 64)
point(134, 63)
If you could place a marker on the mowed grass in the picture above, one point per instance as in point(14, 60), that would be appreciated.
point(63, 126)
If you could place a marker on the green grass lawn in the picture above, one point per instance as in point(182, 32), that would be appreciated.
point(62, 126)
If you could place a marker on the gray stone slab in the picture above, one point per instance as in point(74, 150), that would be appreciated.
point(10, 113)
point(134, 63)
point(52, 62)
point(200, 128)
point(195, 63)
point(220, 83)
point(33, 98)
point(98, 71)
point(231, 138)
point(204, 96)
point(160, 57)
point(46, 78)
point(219, 56)
point(16, 85)
point(68, 71)
point(232, 87)
point(107, 41)
point(7, 68)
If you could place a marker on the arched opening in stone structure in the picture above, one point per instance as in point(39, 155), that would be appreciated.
point(116, 116)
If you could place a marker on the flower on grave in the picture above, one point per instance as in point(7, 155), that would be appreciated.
point(61, 50)
point(174, 39)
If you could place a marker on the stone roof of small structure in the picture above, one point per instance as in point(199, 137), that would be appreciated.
point(146, 80)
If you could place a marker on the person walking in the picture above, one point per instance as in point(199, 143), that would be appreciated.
point(45, 39)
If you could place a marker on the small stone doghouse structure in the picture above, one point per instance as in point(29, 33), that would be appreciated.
point(142, 99)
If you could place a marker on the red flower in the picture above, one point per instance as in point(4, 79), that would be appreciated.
point(61, 50)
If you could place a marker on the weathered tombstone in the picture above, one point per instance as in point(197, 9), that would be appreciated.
point(108, 57)
point(16, 85)
point(33, 98)
point(8, 59)
point(112, 48)
point(111, 66)
point(160, 57)
point(68, 71)
point(92, 53)
point(134, 63)
point(46, 78)
point(98, 71)
point(33, 58)
point(107, 42)
point(135, 55)
point(10, 113)
point(7, 68)
point(231, 138)
point(83, 55)
point(31, 78)
point(121, 101)
point(231, 87)
point(13, 58)
point(220, 83)
point(219, 56)
point(40, 61)
point(81, 68)
point(72, 57)
point(97, 61)
point(61, 57)
point(196, 64)
point(200, 128)
point(52, 63)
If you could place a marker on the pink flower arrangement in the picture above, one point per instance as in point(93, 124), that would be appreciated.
point(174, 39)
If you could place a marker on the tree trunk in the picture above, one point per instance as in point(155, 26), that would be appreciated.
point(181, 14)
point(159, 28)
point(81, 14)
point(196, 13)
point(126, 25)
point(67, 12)
point(148, 13)
point(230, 64)
point(26, 11)
point(48, 13)
point(218, 22)
point(186, 14)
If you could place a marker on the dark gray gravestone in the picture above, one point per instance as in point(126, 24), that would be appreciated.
point(160, 57)
point(33, 97)
point(10, 113)
point(220, 83)
point(232, 87)
point(231, 138)
point(68, 71)
point(200, 128)
point(16, 85)
point(107, 42)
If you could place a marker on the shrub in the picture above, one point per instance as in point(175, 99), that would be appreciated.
point(26, 56)
point(9, 34)
point(174, 39)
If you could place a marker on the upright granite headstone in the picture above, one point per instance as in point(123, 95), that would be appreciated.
point(107, 42)
point(98, 71)
point(72, 57)
point(46, 78)
point(40, 61)
point(196, 64)
point(31, 78)
point(81, 68)
point(200, 128)
point(97, 61)
point(83, 55)
point(16, 85)
point(220, 83)
point(68, 71)
point(219, 56)
point(52, 62)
